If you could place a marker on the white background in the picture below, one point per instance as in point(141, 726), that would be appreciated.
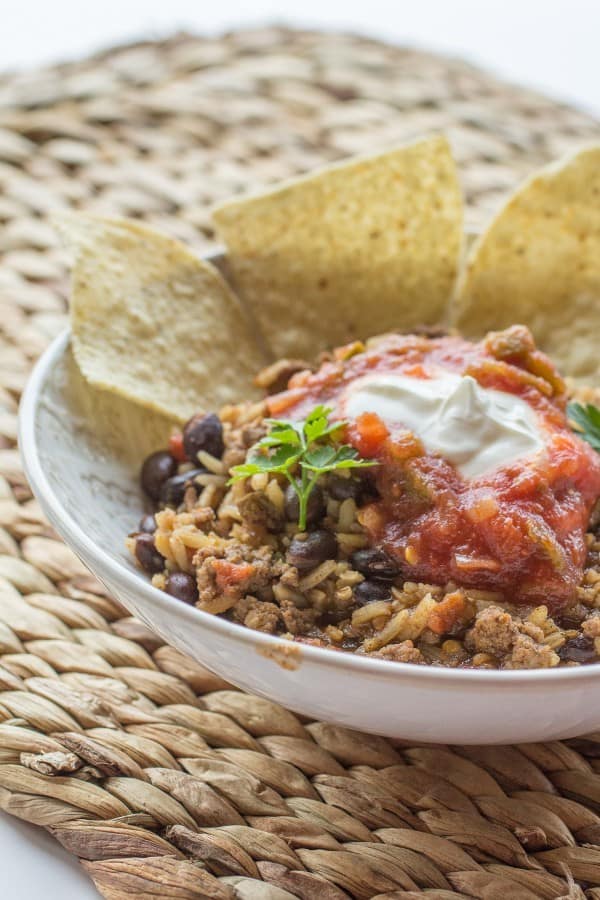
point(35, 867)
point(548, 44)
point(551, 44)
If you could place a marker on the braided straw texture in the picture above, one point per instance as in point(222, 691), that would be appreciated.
point(163, 780)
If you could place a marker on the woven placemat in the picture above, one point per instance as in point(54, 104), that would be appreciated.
point(163, 780)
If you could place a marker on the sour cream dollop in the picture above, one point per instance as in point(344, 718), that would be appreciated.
point(477, 429)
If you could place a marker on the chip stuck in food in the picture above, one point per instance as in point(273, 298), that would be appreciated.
point(152, 322)
point(539, 263)
point(348, 251)
point(421, 499)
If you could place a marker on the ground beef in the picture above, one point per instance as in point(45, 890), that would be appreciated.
point(230, 570)
point(261, 615)
point(404, 652)
point(527, 654)
point(297, 621)
point(493, 632)
point(591, 628)
point(289, 575)
point(258, 511)
point(239, 440)
point(533, 631)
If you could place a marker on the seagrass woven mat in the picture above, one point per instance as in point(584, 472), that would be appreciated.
point(163, 780)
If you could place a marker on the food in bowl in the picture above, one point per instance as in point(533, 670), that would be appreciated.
point(418, 499)
point(420, 496)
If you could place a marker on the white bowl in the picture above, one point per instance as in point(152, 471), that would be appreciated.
point(85, 475)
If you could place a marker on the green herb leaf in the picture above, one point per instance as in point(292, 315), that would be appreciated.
point(309, 446)
point(345, 458)
point(317, 425)
point(319, 457)
point(587, 418)
point(346, 453)
point(281, 436)
point(279, 461)
point(284, 457)
point(243, 471)
point(355, 464)
point(320, 411)
point(277, 426)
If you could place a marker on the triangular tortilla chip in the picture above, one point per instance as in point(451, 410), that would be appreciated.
point(356, 249)
point(539, 264)
point(154, 323)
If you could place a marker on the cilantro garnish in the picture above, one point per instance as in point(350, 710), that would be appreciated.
point(309, 447)
point(587, 418)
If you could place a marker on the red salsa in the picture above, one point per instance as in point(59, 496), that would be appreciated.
point(518, 529)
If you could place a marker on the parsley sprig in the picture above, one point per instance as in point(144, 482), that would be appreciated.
point(308, 448)
point(587, 418)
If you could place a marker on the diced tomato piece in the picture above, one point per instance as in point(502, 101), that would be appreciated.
point(371, 433)
point(229, 574)
point(348, 350)
point(280, 403)
point(447, 613)
point(176, 447)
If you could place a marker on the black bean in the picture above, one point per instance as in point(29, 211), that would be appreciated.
point(203, 433)
point(367, 591)
point(147, 524)
point(374, 562)
point(314, 508)
point(147, 555)
point(156, 469)
point(316, 548)
point(334, 616)
point(572, 616)
point(182, 586)
point(174, 488)
point(345, 488)
point(580, 650)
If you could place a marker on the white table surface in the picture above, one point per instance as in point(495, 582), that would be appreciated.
point(35, 866)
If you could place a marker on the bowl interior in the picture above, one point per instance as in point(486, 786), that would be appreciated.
point(90, 446)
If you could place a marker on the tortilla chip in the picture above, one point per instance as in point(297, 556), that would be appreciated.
point(353, 250)
point(154, 323)
point(539, 264)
